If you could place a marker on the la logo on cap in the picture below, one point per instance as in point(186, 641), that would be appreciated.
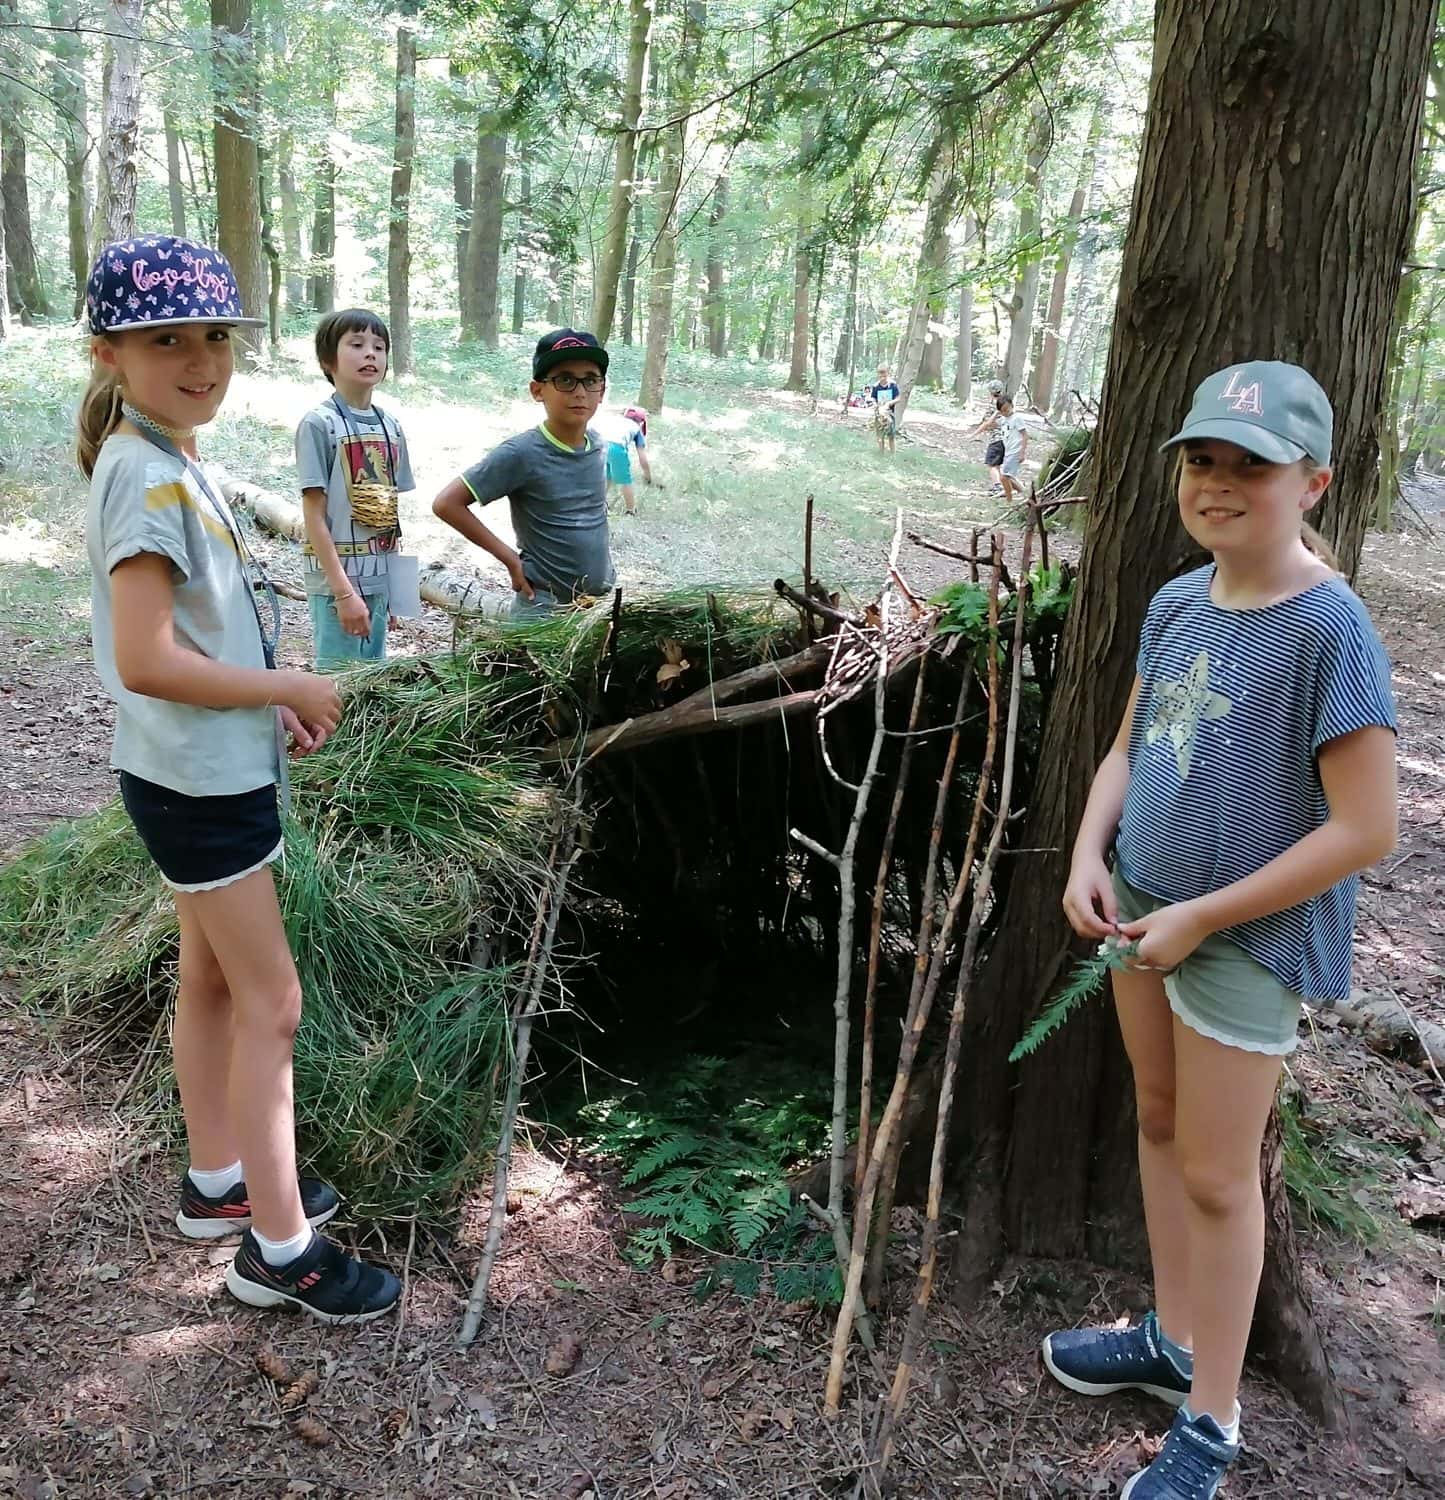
point(1243, 398)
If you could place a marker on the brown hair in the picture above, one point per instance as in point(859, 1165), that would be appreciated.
point(336, 325)
point(99, 414)
point(1308, 535)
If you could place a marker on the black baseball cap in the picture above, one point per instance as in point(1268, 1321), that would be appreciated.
point(562, 344)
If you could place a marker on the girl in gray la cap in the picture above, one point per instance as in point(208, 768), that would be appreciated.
point(1251, 780)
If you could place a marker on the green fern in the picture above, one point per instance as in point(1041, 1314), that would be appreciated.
point(1087, 978)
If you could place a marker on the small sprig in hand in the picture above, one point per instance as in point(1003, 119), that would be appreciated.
point(1114, 952)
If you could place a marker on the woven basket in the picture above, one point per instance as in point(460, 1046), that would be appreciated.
point(374, 505)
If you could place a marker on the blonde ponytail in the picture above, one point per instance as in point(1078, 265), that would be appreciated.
point(1319, 546)
point(98, 417)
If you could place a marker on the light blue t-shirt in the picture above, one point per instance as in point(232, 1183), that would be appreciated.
point(1233, 707)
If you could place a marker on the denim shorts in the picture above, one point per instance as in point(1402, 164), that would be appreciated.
point(201, 843)
point(538, 607)
point(1220, 991)
point(333, 647)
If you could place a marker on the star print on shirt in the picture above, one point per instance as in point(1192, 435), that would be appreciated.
point(1180, 706)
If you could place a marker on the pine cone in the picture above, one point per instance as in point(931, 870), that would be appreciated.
point(295, 1394)
point(272, 1366)
point(312, 1431)
point(395, 1424)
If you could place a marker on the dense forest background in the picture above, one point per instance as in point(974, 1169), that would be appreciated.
point(806, 186)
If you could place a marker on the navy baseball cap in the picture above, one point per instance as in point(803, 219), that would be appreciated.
point(159, 280)
point(562, 344)
point(1273, 409)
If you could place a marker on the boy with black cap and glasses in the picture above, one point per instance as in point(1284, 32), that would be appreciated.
point(555, 475)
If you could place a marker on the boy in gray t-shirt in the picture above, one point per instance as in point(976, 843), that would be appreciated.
point(555, 477)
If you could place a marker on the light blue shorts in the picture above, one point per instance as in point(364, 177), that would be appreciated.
point(333, 647)
point(1220, 991)
point(619, 464)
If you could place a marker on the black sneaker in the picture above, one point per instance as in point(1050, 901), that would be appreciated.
point(323, 1280)
point(203, 1218)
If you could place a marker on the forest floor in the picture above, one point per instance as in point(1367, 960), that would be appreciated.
point(126, 1370)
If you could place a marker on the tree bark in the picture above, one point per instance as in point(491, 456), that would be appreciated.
point(664, 253)
point(115, 206)
point(802, 270)
point(238, 171)
point(845, 354)
point(1028, 252)
point(27, 294)
point(1077, 342)
point(629, 292)
point(963, 348)
point(175, 187)
point(4, 286)
point(398, 240)
point(461, 198)
point(291, 252)
point(323, 216)
point(269, 248)
point(932, 261)
point(520, 247)
point(715, 309)
point(68, 90)
point(484, 242)
point(1041, 383)
point(624, 170)
point(1257, 116)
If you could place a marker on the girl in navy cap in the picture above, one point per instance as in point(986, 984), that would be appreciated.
point(201, 724)
point(1252, 779)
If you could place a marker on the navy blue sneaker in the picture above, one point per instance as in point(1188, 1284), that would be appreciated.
point(203, 1218)
point(1101, 1361)
point(323, 1280)
point(1191, 1465)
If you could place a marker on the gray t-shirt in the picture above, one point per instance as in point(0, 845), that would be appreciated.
point(559, 509)
point(337, 447)
point(144, 501)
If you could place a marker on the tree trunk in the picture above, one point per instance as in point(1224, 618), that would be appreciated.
point(462, 199)
point(27, 294)
point(269, 249)
point(68, 90)
point(932, 261)
point(1075, 345)
point(291, 252)
point(802, 270)
point(664, 253)
point(1257, 116)
point(963, 347)
point(520, 248)
point(4, 286)
point(1028, 253)
point(845, 355)
point(484, 242)
point(1041, 383)
point(624, 170)
point(238, 172)
point(715, 310)
point(323, 218)
point(175, 186)
point(930, 372)
point(692, 300)
point(398, 240)
point(629, 292)
point(115, 200)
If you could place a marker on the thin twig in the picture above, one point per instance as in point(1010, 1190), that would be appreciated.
point(824, 611)
point(809, 628)
point(402, 1306)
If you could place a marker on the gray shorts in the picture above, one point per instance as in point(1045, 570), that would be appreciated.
point(1220, 991)
point(1011, 465)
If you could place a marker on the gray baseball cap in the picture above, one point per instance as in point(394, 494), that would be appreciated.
point(1273, 409)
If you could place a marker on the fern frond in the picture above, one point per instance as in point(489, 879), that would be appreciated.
point(1088, 976)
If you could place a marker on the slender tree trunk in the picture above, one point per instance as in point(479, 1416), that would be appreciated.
point(520, 245)
point(323, 217)
point(175, 186)
point(461, 199)
point(4, 286)
point(291, 252)
point(715, 313)
point(765, 335)
point(1075, 344)
point(398, 241)
point(664, 254)
point(629, 292)
point(484, 243)
point(624, 170)
point(692, 301)
point(1029, 252)
point(238, 172)
point(270, 250)
point(115, 205)
point(17, 61)
point(68, 90)
point(963, 344)
point(1231, 179)
point(930, 371)
point(1041, 383)
point(844, 355)
point(932, 262)
point(802, 269)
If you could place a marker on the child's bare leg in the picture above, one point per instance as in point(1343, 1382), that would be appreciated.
point(1147, 1024)
point(1224, 1098)
point(242, 923)
point(629, 499)
point(201, 1039)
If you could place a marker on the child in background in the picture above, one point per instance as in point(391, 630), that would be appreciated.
point(884, 393)
point(199, 735)
point(352, 462)
point(554, 474)
point(1011, 432)
point(1252, 779)
point(625, 433)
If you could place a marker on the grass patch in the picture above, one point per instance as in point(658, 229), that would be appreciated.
point(1337, 1178)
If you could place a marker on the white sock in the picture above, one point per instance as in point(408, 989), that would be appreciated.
point(1230, 1429)
point(282, 1252)
point(220, 1181)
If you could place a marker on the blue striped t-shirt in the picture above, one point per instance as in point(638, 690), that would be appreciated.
point(1233, 707)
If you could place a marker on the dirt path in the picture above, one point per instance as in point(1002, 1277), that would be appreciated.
point(125, 1370)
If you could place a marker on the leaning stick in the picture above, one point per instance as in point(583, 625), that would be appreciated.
point(928, 1258)
point(920, 1004)
point(565, 849)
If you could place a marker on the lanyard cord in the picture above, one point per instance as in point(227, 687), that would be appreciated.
point(252, 572)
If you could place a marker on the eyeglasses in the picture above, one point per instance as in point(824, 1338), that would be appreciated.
point(568, 383)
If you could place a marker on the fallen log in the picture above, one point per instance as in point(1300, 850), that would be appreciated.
point(456, 593)
point(785, 670)
point(1388, 1027)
